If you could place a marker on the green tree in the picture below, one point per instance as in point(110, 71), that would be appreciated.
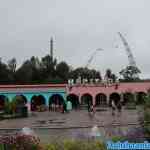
point(5, 76)
point(48, 66)
point(130, 73)
point(108, 73)
point(62, 70)
point(84, 73)
point(24, 73)
point(114, 77)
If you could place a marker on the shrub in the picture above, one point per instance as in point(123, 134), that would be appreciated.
point(20, 142)
point(76, 145)
point(8, 107)
point(117, 138)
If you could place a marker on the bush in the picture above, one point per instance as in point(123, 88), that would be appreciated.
point(76, 145)
point(118, 138)
point(26, 142)
point(8, 107)
point(147, 101)
point(20, 142)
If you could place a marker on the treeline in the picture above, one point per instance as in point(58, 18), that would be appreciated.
point(48, 70)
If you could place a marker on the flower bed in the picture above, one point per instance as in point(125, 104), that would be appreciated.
point(27, 142)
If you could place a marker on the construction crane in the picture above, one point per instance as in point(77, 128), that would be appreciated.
point(92, 57)
point(128, 50)
point(129, 54)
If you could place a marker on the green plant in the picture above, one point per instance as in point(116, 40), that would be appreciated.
point(8, 107)
point(76, 145)
point(2, 147)
point(117, 138)
point(147, 101)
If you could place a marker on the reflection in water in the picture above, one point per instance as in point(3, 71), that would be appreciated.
point(27, 131)
point(47, 135)
point(95, 132)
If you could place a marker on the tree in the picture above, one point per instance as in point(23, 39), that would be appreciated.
point(36, 70)
point(113, 77)
point(62, 70)
point(5, 76)
point(84, 73)
point(24, 73)
point(108, 73)
point(12, 63)
point(130, 73)
point(48, 66)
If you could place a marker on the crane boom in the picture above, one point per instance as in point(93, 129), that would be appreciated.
point(128, 50)
point(92, 56)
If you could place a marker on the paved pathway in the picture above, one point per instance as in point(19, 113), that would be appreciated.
point(52, 123)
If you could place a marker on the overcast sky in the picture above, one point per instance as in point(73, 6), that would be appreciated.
point(78, 27)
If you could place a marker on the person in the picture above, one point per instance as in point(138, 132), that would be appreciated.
point(113, 107)
point(64, 107)
point(69, 106)
point(119, 107)
point(89, 107)
point(52, 106)
point(91, 111)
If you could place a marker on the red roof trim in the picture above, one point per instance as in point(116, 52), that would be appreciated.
point(34, 86)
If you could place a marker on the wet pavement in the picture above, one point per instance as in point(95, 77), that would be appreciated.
point(51, 125)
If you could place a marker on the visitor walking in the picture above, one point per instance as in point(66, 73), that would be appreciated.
point(89, 107)
point(119, 107)
point(113, 107)
point(91, 111)
point(69, 106)
point(64, 109)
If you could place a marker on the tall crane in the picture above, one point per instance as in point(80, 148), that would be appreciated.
point(92, 57)
point(129, 54)
point(128, 50)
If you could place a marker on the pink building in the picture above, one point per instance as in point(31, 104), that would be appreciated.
point(79, 94)
point(103, 95)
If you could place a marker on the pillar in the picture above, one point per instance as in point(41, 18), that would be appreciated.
point(121, 97)
point(135, 97)
point(107, 98)
point(94, 99)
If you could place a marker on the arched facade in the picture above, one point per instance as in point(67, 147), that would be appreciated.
point(86, 99)
point(140, 96)
point(114, 97)
point(3, 100)
point(128, 97)
point(20, 99)
point(88, 94)
point(56, 102)
point(101, 99)
point(74, 99)
point(37, 102)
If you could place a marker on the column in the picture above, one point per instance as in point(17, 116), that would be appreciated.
point(107, 98)
point(135, 97)
point(121, 97)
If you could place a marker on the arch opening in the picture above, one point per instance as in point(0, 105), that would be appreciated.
point(74, 99)
point(87, 100)
point(128, 98)
point(37, 102)
point(3, 100)
point(56, 102)
point(101, 100)
point(20, 100)
point(140, 97)
point(114, 97)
